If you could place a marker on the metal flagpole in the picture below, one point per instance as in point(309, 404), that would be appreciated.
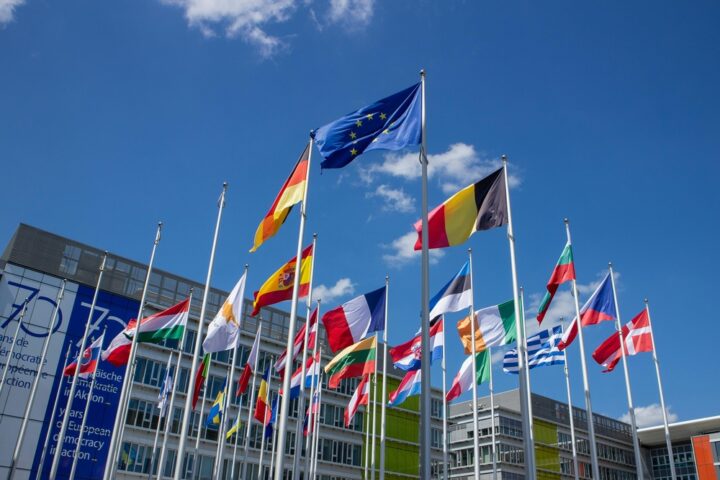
point(476, 440)
point(124, 401)
point(383, 396)
point(166, 433)
point(73, 385)
point(14, 342)
point(237, 436)
point(444, 400)
point(275, 453)
point(522, 365)
point(570, 415)
point(316, 431)
point(262, 430)
point(198, 341)
point(631, 408)
point(425, 301)
point(367, 432)
point(308, 439)
point(586, 383)
point(217, 466)
point(301, 398)
point(88, 401)
point(493, 448)
point(250, 407)
point(373, 400)
point(662, 396)
point(196, 464)
point(153, 463)
point(285, 401)
point(528, 391)
point(36, 381)
point(52, 417)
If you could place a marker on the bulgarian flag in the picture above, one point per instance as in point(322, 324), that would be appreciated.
point(278, 287)
point(494, 326)
point(354, 361)
point(463, 380)
point(166, 325)
point(563, 272)
point(292, 192)
point(200, 377)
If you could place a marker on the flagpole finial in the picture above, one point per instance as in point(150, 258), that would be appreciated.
point(160, 223)
point(314, 236)
point(246, 266)
point(469, 250)
point(645, 300)
point(422, 72)
point(566, 220)
point(610, 265)
point(503, 157)
point(225, 185)
point(387, 277)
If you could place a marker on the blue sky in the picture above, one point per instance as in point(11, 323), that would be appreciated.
point(113, 116)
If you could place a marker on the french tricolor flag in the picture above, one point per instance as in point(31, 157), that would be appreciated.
point(409, 386)
point(88, 361)
point(407, 355)
point(355, 320)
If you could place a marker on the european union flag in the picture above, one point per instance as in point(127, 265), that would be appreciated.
point(388, 124)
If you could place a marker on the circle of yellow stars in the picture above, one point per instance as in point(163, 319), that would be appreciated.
point(359, 123)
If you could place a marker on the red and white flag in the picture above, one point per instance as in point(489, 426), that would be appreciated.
point(88, 361)
point(249, 365)
point(298, 342)
point(118, 352)
point(360, 397)
point(637, 336)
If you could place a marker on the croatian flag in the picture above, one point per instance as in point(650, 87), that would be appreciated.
point(298, 342)
point(407, 356)
point(88, 361)
point(599, 307)
point(410, 385)
point(355, 320)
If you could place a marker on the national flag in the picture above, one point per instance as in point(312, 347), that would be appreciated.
point(637, 336)
point(272, 418)
point(480, 206)
point(263, 399)
point(494, 326)
point(361, 396)
point(224, 330)
point(463, 380)
point(296, 378)
point(298, 342)
point(247, 372)
point(216, 411)
point(166, 325)
point(407, 356)
point(292, 192)
point(278, 287)
point(88, 360)
point(312, 372)
point(234, 428)
point(354, 361)
point(564, 271)
point(200, 377)
point(355, 320)
point(313, 408)
point(456, 295)
point(388, 124)
point(542, 350)
point(409, 386)
point(598, 308)
point(164, 394)
point(118, 351)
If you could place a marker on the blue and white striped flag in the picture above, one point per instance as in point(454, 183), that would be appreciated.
point(542, 350)
point(165, 393)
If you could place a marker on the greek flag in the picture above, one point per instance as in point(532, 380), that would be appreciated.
point(542, 350)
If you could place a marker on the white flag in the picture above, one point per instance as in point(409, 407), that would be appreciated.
point(224, 330)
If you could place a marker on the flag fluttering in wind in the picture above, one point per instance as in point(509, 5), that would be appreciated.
point(637, 336)
point(463, 380)
point(88, 361)
point(118, 351)
point(249, 365)
point(456, 295)
point(480, 206)
point(262, 406)
point(166, 325)
point(354, 320)
point(272, 418)
point(164, 394)
point(598, 308)
point(388, 124)
point(360, 396)
point(297, 377)
point(234, 428)
point(291, 193)
point(200, 377)
point(410, 385)
point(564, 271)
point(279, 286)
point(494, 326)
point(313, 408)
point(224, 330)
point(298, 342)
point(407, 356)
point(354, 361)
point(542, 350)
point(216, 411)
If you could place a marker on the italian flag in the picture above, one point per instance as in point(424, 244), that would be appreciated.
point(494, 326)
point(563, 272)
point(354, 361)
point(463, 380)
point(166, 325)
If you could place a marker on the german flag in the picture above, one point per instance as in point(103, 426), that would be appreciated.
point(292, 192)
point(480, 206)
point(354, 361)
point(279, 286)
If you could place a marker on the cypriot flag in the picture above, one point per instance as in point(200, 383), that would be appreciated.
point(223, 331)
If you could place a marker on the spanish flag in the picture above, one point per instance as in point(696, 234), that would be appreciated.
point(279, 286)
point(480, 206)
point(292, 192)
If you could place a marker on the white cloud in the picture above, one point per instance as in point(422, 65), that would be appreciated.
point(396, 200)
point(649, 416)
point(402, 251)
point(341, 288)
point(351, 13)
point(7, 8)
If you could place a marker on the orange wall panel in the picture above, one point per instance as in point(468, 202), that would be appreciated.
point(704, 458)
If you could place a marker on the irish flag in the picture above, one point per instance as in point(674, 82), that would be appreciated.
point(166, 325)
point(354, 361)
point(494, 326)
point(463, 380)
point(564, 271)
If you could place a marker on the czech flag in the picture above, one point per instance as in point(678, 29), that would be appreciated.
point(88, 360)
point(355, 320)
point(599, 307)
point(410, 385)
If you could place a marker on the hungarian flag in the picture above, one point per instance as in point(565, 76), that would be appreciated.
point(637, 336)
point(354, 361)
point(360, 396)
point(463, 380)
point(292, 192)
point(249, 365)
point(279, 286)
point(354, 320)
point(298, 342)
point(480, 206)
point(598, 308)
point(166, 325)
point(200, 377)
point(88, 360)
point(494, 326)
point(118, 352)
point(564, 271)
